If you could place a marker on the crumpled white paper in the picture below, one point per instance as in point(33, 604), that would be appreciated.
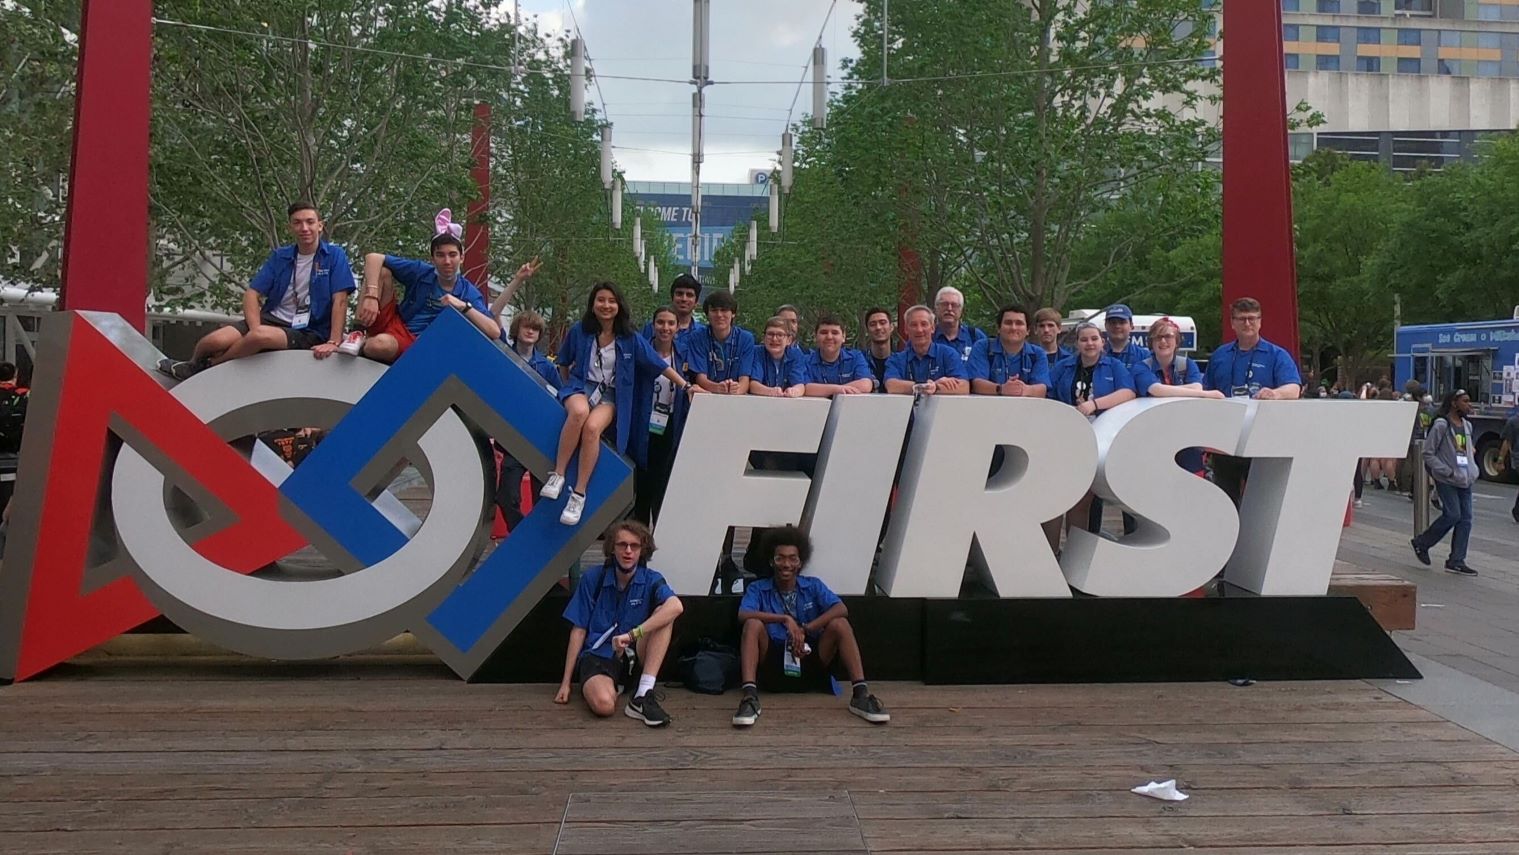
point(1163, 790)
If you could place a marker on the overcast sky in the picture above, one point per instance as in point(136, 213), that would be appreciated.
point(769, 41)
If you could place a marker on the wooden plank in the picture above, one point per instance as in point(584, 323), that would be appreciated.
point(1145, 833)
point(205, 786)
point(659, 805)
point(756, 834)
point(840, 731)
point(872, 804)
point(535, 839)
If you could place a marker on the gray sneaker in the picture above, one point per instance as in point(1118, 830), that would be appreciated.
point(869, 709)
point(748, 711)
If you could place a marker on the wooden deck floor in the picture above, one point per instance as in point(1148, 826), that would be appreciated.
point(392, 754)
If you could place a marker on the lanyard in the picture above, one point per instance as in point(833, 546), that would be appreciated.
point(1249, 366)
point(316, 267)
point(775, 370)
point(1077, 385)
point(722, 358)
point(1025, 370)
point(914, 361)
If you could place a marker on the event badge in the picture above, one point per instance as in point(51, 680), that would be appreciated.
point(660, 418)
point(792, 664)
point(302, 319)
point(595, 397)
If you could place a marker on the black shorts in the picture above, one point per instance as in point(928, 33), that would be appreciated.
point(598, 666)
point(814, 677)
point(295, 339)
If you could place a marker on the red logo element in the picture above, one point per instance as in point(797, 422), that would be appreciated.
point(107, 393)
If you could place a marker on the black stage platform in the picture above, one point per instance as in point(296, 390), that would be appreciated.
point(1079, 640)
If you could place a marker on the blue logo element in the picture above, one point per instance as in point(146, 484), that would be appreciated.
point(453, 365)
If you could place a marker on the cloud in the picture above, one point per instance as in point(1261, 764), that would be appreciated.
point(750, 42)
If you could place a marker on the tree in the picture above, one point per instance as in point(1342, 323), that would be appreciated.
point(1344, 212)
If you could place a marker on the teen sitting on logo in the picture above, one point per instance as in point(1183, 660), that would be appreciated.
point(297, 301)
point(621, 606)
point(777, 370)
point(794, 623)
point(608, 369)
point(925, 367)
point(832, 368)
point(392, 325)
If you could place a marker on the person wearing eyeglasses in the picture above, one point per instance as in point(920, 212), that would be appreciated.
point(1248, 367)
point(622, 610)
point(777, 369)
point(1166, 373)
point(949, 307)
point(1450, 453)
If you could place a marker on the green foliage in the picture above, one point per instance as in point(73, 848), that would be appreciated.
point(363, 107)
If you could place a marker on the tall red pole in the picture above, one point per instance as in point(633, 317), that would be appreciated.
point(1258, 253)
point(105, 236)
point(477, 236)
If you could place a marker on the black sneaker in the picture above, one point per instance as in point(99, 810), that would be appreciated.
point(869, 709)
point(1420, 552)
point(748, 711)
point(1459, 568)
point(166, 366)
point(1516, 515)
point(647, 710)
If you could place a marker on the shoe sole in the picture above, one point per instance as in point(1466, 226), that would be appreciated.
point(745, 721)
point(638, 716)
point(1459, 572)
point(873, 718)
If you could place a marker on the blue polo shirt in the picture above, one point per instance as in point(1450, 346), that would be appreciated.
point(680, 334)
point(1132, 355)
point(939, 362)
point(789, 370)
point(597, 605)
point(964, 339)
point(422, 299)
point(1149, 372)
point(330, 275)
point(1245, 374)
point(538, 362)
point(1108, 376)
point(812, 599)
point(720, 360)
point(849, 367)
point(989, 361)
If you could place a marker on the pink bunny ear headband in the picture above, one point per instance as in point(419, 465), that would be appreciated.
point(445, 224)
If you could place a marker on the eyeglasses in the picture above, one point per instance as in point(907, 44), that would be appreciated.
point(1248, 319)
point(775, 333)
point(624, 545)
point(1163, 337)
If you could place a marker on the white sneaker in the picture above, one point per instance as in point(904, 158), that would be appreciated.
point(353, 343)
point(572, 509)
point(552, 487)
point(1359, 503)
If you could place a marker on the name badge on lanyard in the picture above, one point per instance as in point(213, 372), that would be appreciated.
point(659, 419)
point(1461, 458)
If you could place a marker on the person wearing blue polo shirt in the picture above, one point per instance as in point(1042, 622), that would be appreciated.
point(880, 326)
point(793, 624)
point(683, 294)
point(391, 324)
point(832, 368)
point(721, 350)
point(1119, 324)
point(525, 331)
point(924, 367)
point(610, 371)
point(297, 301)
point(1008, 365)
point(949, 306)
point(1166, 373)
point(1047, 335)
point(624, 605)
point(1248, 367)
point(1092, 382)
point(778, 369)
point(792, 317)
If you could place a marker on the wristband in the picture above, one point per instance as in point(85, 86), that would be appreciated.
point(374, 297)
point(636, 632)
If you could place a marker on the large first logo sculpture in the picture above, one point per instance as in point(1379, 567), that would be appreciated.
point(96, 548)
point(132, 503)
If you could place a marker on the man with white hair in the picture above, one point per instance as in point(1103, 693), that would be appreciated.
point(949, 308)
